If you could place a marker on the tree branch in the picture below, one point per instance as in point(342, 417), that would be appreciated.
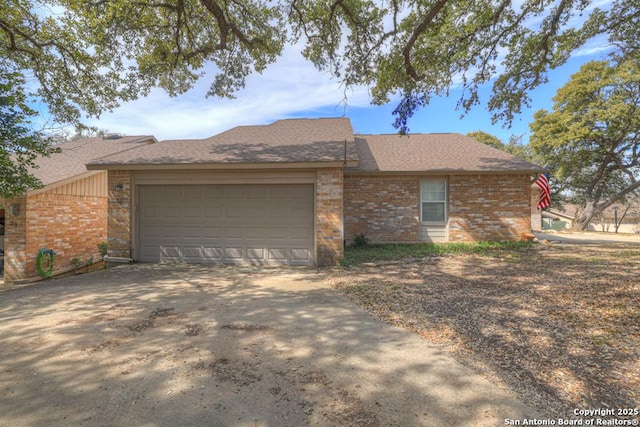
point(422, 26)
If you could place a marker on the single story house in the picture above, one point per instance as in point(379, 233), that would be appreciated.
point(68, 214)
point(292, 192)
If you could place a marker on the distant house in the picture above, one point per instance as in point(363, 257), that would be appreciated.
point(554, 219)
point(67, 215)
point(293, 192)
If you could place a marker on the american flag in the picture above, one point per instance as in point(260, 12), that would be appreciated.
point(545, 191)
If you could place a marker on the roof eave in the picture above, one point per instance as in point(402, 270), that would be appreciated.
point(444, 172)
point(221, 166)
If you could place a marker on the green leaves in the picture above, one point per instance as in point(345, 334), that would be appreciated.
point(19, 143)
point(88, 56)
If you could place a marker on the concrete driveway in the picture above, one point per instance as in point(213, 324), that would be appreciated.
point(154, 345)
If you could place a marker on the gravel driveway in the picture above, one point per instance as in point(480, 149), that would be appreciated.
point(160, 345)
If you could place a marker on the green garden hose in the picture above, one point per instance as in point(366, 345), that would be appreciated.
point(45, 257)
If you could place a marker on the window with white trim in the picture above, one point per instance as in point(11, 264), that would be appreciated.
point(433, 198)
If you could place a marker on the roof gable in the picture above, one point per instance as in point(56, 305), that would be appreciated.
point(443, 152)
point(73, 155)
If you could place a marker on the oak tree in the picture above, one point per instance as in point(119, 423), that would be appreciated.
point(87, 56)
point(19, 143)
point(591, 139)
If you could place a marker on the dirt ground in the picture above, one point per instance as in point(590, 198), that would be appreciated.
point(153, 345)
point(558, 323)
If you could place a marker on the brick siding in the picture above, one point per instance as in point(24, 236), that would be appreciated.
point(72, 226)
point(489, 207)
point(384, 208)
point(329, 216)
point(481, 207)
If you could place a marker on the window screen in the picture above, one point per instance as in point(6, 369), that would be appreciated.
point(434, 201)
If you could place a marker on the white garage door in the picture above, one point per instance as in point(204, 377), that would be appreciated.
point(243, 224)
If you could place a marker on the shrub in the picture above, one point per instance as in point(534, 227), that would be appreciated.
point(102, 248)
point(360, 241)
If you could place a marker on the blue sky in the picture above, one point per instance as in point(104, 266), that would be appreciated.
point(292, 88)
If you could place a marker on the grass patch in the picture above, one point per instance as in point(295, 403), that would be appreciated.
point(391, 251)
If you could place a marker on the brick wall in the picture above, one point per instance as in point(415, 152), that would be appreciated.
point(119, 240)
point(489, 207)
point(72, 226)
point(329, 216)
point(384, 208)
point(481, 207)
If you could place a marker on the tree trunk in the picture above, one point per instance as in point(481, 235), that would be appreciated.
point(584, 218)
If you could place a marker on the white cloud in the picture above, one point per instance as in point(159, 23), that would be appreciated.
point(289, 86)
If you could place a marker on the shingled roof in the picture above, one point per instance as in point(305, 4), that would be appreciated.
point(317, 142)
point(434, 153)
point(291, 141)
point(72, 157)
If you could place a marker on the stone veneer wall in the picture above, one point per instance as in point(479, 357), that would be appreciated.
point(15, 239)
point(489, 207)
point(384, 208)
point(119, 210)
point(536, 214)
point(329, 216)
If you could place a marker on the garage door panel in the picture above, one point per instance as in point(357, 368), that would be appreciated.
point(235, 192)
point(277, 232)
point(256, 192)
point(233, 253)
point(255, 253)
point(151, 232)
point(256, 232)
point(277, 254)
point(213, 192)
point(192, 211)
point(216, 233)
point(300, 192)
point(298, 233)
point(170, 212)
point(151, 252)
point(281, 192)
point(234, 233)
point(253, 224)
point(300, 254)
point(192, 253)
point(213, 212)
point(171, 193)
point(170, 252)
point(169, 233)
point(192, 192)
point(278, 212)
point(191, 232)
point(151, 212)
point(234, 212)
point(212, 253)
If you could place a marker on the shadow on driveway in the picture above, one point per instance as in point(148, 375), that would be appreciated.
point(183, 345)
